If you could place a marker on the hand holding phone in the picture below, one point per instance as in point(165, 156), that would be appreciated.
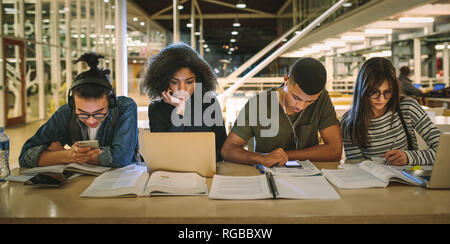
point(92, 144)
point(84, 152)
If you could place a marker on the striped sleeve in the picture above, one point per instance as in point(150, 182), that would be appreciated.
point(423, 125)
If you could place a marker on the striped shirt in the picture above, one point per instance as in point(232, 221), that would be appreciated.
point(385, 136)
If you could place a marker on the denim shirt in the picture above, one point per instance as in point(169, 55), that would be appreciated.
point(117, 144)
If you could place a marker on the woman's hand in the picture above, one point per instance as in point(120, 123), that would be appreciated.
point(396, 157)
point(168, 98)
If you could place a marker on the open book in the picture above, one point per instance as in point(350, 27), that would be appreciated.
point(135, 181)
point(366, 174)
point(87, 169)
point(264, 186)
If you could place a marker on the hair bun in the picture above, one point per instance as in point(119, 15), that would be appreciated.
point(92, 59)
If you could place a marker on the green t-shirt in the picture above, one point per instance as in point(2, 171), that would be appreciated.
point(304, 129)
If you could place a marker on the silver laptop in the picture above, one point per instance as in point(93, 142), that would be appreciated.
point(439, 176)
point(179, 152)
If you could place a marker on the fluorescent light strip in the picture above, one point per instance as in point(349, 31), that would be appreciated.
point(416, 20)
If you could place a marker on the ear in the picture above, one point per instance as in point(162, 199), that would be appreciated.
point(285, 77)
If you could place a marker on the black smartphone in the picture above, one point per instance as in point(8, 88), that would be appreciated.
point(48, 180)
point(292, 164)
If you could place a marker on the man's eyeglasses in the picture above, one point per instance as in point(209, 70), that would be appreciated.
point(376, 94)
point(95, 116)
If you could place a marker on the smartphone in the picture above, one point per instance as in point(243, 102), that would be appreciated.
point(48, 180)
point(93, 144)
point(292, 164)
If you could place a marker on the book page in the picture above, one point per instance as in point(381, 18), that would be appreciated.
point(50, 169)
point(86, 168)
point(385, 173)
point(312, 187)
point(352, 178)
point(240, 187)
point(130, 180)
point(163, 182)
point(73, 167)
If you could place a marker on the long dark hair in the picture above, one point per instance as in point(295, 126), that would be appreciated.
point(171, 59)
point(373, 73)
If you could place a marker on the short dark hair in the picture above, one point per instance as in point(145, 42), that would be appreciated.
point(309, 74)
point(90, 91)
point(404, 71)
point(171, 59)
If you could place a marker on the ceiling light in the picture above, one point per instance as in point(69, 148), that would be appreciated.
point(240, 4)
point(236, 23)
point(197, 33)
point(189, 25)
point(135, 19)
point(378, 31)
point(180, 7)
point(441, 47)
point(347, 5)
point(142, 23)
point(335, 43)
point(234, 33)
point(352, 38)
point(232, 40)
point(381, 54)
point(416, 20)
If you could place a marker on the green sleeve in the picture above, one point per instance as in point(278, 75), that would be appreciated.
point(242, 126)
point(327, 113)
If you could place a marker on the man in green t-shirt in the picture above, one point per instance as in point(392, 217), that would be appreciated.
point(299, 109)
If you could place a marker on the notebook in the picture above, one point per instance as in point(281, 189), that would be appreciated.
point(179, 152)
point(271, 186)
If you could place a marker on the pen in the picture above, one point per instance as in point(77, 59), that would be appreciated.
point(261, 168)
point(392, 147)
point(272, 185)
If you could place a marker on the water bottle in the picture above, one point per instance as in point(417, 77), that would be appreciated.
point(4, 155)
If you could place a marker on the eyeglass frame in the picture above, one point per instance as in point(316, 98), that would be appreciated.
point(371, 94)
point(92, 115)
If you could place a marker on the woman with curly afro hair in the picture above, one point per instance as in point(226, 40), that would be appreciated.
point(181, 87)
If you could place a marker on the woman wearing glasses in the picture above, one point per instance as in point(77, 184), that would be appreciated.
point(93, 112)
point(380, 123)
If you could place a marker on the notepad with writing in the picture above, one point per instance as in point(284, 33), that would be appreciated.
point(367, 174)
point(260, 187)
point(87, 169)
point(135, 181)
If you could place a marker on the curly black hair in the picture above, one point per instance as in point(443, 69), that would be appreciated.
point(171, 59)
